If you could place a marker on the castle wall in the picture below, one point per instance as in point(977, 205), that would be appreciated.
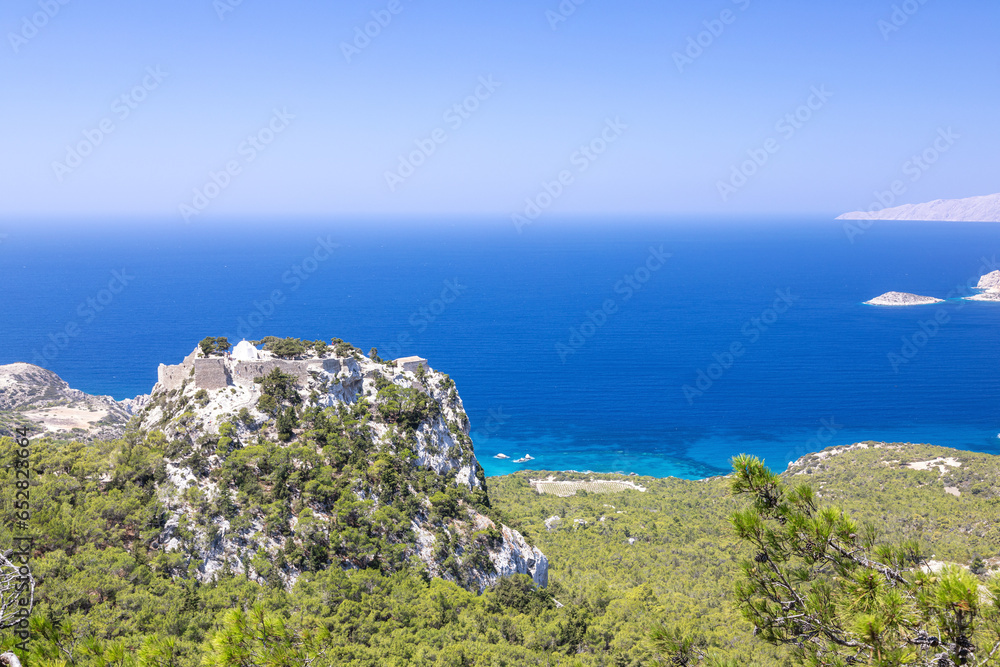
point(218, 373)
point(412, 363)
point(211, 374)
point(171, 377)
point(244, 372)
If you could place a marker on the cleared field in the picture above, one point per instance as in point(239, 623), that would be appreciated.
point(564, 489)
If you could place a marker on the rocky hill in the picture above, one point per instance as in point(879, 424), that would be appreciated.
point(40, 400)
point(275, 463)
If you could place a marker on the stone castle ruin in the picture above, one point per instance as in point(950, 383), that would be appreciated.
point(237, 369)
point(411, 363)
point(247, 363)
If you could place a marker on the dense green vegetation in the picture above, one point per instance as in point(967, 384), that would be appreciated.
point(622, 564)
point(104, 581)
point(685, 549)
point(405, 406)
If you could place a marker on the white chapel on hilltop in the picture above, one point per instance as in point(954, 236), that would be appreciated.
point(245, 351)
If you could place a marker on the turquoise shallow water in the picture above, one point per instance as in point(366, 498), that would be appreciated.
point(570, 343)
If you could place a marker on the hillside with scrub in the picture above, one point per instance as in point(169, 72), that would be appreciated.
point(330, 511)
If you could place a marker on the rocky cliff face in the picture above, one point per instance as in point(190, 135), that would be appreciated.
point(970, 209)
point(341, 462)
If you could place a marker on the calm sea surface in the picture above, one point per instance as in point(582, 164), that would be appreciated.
point(659, 348)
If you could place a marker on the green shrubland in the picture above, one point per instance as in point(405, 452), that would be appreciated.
point(636, 578)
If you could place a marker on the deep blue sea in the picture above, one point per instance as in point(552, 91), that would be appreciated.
point(571, 342)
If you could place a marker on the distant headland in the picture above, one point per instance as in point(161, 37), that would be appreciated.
point(971, 209)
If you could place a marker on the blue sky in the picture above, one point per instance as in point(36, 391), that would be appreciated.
point(230, 71)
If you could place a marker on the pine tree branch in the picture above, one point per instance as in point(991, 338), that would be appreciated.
point(884, 570)
point(992, 653)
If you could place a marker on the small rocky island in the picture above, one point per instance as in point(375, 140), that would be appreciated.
point(902, 299)
point(990, 286)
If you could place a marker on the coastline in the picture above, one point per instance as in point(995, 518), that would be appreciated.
point(902, 305)
point(709, 458)
point(565, 482)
